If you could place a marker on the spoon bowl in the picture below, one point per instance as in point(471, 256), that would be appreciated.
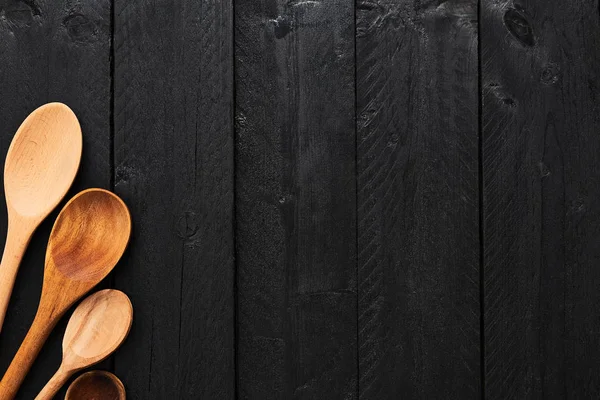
point(83, 248)
point(88, 238)
point(42, 160)
point(98, 385)
point(96, 329)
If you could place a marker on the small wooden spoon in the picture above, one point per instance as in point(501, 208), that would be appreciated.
point(41, 164)
point(96, 329)
point(97, 385)
point(88, 238)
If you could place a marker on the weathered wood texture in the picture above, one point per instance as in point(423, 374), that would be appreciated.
point(173, 100)
point(362, 161)
point(541, 124)
point(295, 199)
point(52, 51)
point(418, 235)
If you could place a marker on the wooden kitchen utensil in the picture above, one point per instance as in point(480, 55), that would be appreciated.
point(97, 385)
point(41, 164)
point(88, 238)
point(96, 329)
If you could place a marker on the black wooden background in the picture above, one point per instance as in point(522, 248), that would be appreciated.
point(332, 199)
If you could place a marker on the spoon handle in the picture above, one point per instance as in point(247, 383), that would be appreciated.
point(26, 355)
point(17, 239)
point(54, 384)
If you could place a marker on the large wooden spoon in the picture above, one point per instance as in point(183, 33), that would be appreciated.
point(41, 164)
point(96, 329)
point(88, 238)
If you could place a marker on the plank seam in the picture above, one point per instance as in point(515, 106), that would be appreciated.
point(111, 139)
point(481, 209)
point(356, 182)
point(234, 212)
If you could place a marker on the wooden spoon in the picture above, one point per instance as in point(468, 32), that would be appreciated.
point(96, 329)
point(41, 164)
point(97, 385)
point(88, 238)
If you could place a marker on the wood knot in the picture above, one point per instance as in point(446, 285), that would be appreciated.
point(79, 28)
point(544, 171)
point(393, 140)
point(517, 23)
point(241, 122)
point(123, 174)
point(303, 3)
point(501, 94)
point(188, 225)
point(20, 14)
point(577, 206)
point(550, 74)
point(365, 5)
point(509, 101)
point(281, 26)
point(366, 116)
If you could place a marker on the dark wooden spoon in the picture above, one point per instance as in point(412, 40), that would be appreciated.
point(97, 385)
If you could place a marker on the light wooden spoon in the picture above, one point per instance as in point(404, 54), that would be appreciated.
point(41, 164)
point(88, 238)
point(96, 329)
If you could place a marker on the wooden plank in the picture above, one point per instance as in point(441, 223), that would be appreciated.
point(174, 167)
point(541, 184)
point(418, 230)
point(295, 199)
point(52, 51)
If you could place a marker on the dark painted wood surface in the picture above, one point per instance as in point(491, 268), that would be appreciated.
point(541, 126)
point(173, 164)
point(331, 199)
point(295, 199)
point(418, 235)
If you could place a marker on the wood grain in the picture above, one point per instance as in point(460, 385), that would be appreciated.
point(52, 51)
point(174, 165)
point(418, 238)
point(541, 121)
point(295, 199)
